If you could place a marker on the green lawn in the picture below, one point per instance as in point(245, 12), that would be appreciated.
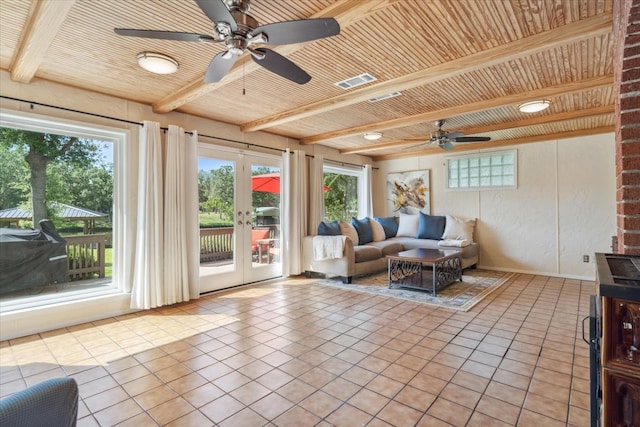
point(210, 220)
point(108, 262)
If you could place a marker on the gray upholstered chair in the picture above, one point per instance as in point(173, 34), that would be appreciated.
point(51, 403)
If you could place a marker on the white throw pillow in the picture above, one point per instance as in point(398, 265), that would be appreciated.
point(408, 225)
point(378, 231)
point(350, 231)
point(459, 228)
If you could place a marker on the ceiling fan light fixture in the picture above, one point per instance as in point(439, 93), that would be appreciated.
point(534, 106)
point(157, 63)
point(372, 136)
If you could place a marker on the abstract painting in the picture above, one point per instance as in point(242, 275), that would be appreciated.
point(408, 192)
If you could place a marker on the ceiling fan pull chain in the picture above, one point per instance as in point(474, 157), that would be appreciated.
point(244, 92)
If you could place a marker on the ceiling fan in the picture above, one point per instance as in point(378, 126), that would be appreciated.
point(240, 32)
point(445, 140)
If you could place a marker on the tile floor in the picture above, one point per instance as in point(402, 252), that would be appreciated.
point(289, 353)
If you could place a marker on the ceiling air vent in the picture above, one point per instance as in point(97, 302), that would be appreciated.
point(352, 82)
point(387, 96)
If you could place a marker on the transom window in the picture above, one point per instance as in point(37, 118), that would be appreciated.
point(482, 171)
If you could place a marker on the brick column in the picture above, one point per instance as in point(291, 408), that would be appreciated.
point(626, 31)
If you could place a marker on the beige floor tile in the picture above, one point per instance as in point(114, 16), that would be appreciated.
point(368, 401)
point(306, 355)
point(347, 415)
point(461, 395)
point(449, 412)
point(397, 414)
point(296, 417)
point(272, 406)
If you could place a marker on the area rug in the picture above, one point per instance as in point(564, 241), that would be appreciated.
point(475, 286)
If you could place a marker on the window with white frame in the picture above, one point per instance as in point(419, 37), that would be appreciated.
point(343, 190)
point(63, 171)
point(482, 171)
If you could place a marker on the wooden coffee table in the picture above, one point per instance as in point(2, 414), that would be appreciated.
point(406, 267)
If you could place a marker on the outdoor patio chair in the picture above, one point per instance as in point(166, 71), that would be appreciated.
point(257, 234)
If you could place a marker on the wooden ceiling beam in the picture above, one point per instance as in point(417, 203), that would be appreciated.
point(557, 37)
point(498, 144)
point(41, 26)
point(346, 12)
point(518, 98)
point(552, 118)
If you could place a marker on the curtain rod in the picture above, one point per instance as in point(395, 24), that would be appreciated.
point(32, 103)
point(117, 119)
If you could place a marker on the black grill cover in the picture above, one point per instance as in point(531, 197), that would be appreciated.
point(32, 258)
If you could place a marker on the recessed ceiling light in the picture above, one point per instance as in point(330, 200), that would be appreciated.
point(534, 106)
point(157, 63)
point(372, 136)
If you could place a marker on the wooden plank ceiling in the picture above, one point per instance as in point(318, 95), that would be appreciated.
point(470, 62)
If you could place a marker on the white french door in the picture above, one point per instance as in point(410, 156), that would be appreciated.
point(239, 217)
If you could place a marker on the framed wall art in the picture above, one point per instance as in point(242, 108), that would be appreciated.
point(408, 192)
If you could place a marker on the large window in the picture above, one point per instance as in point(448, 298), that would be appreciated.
point(482, 171)
point(56, 186)
point(343, 187)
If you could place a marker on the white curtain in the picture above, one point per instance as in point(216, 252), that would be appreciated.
point(167, 246)
point(366, 204)
point(148, 269)
point(125, 175)
point(316, 194)
point(294, 218)
point(181, 244)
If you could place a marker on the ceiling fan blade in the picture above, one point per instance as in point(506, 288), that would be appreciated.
point(304, 30)
point(472, 138)
point(217, 11)
point(164, 35)
point(446, 145)
point(280, 65)
point(452, 135)
point(219, 67)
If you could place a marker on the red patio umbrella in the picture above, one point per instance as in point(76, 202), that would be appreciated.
point(269, 183)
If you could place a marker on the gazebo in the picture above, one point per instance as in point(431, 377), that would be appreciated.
point(68, 212)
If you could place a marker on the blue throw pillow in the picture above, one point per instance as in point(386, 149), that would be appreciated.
point(431, 226)
point(329, 228)
point(365, 232)
point(390, 225)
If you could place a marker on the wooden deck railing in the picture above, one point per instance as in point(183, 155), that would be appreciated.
point(86, 255)
point(86, 252)
point(216, 244)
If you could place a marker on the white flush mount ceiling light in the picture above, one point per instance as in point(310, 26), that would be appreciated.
point(534, 106)
point(372, 136)
point(157, 63)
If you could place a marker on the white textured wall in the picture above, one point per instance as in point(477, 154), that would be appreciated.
point(564, 206)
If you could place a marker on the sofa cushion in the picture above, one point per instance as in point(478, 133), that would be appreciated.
point(365, 233)
point(459, 228)
point(408, 225)
point(387, 247)
point(389, 224)
point(366, 253)
point(378, 232)
point(329, 228)
point(349, 231)
point(430, 226)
